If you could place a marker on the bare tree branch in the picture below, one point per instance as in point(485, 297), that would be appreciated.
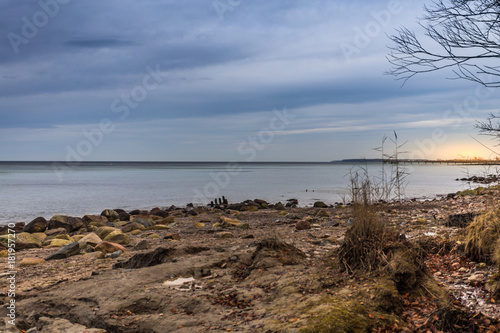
point(464, 35)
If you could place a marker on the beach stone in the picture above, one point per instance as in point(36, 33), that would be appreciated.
point(173, 236)
point(58, 325)
point(91, 239)
point(146, 223)
point(110, 215)
point(320, 204)
point(135, 232)
point(261, 202)
point(124, 216)
point(302, 225)
point(142, 245)
point(131, 226)
point(225, 234)
point(153, 236)
point(244, 226)
point(31, 262)
point(332, 223)
point(67, 222)
point(65, 236)
point(76, 238)
point(58, 242)
point(65, 251)
point(117, 237)
point(23, 240)
point(159, 212)
point(192, 212)
point(97, 220)
point(279, 206)
point(40, 236)
point(250, 208)
point(159, 227)
point(167, 220)
point(148, 259)
point(229, 222)
point(107, 247)
point(119, 224)
point(199, 225)
point(102, 232)
point(114, 255)
point(37, 225)
point(4, 253)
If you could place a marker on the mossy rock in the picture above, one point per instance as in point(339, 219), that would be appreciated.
point(135, 232)
point(320, 204)
point(199, 225)
point(279, 206)
point(168, 219)
point(153, 236)
point(159, 227)
point(229, 222)
point(59, 242)
point(4, 253)
point(117, 237)
point(39, 235)
point(250, 208)
point(65, 237)
point(476, 191)
point(102, 232)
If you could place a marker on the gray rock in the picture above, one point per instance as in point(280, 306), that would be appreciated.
point(143, 221)
point(142, 245)
point(65, 251)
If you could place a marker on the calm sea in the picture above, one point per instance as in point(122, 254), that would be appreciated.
point(31, 189)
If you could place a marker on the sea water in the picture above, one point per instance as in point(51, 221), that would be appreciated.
point(31, 189)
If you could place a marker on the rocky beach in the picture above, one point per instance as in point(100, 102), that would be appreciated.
point(252, 266)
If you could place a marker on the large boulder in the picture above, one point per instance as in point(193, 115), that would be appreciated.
point(124, 216)
point(23, 240)
point(65, 251)
point(159, 212)
point(111, 214)
point(320, 204)
point(97, 220)
point(37, 225)
point(91, 239)
point(67, 222)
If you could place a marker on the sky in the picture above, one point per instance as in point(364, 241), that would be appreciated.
point(220, 80)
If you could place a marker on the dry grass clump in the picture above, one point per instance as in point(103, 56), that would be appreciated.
point(482, 237)
point(365, 242)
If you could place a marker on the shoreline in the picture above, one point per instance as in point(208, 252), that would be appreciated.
point(227, 288)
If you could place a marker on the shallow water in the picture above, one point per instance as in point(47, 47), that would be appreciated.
point(44, 189)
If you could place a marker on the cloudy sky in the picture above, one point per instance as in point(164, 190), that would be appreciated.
point(217, 80)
